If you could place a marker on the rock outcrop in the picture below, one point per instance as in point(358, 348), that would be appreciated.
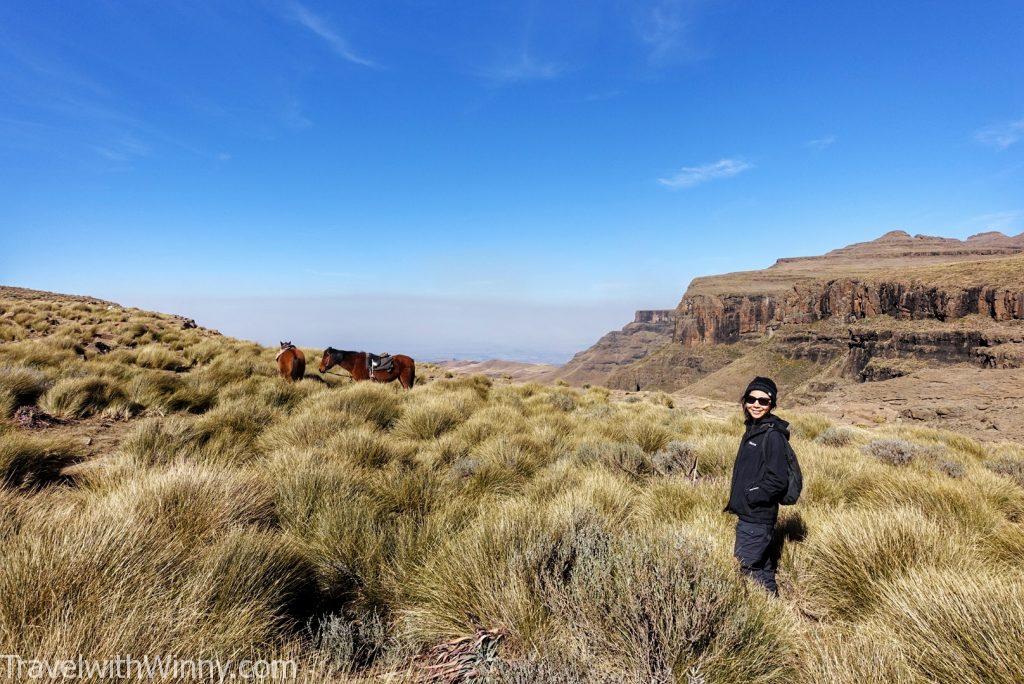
point(871, 311)
point(650, 330)
point(728, 318)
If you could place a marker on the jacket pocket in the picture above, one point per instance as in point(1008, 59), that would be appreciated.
point(755, 497)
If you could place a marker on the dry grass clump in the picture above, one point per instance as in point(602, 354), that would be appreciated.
point(20, 386)
point(157, 441)
point(849, 557)
point(956, 626)
point(159, 357)
point(165, 391)
point(124, 589)
point(435, 415)
point(86, 396)
point(853, 655)
point(28, 462)
point(36, 354)
point(230, 433)
point(361, 446)
point(375, 403)
point(808, 425)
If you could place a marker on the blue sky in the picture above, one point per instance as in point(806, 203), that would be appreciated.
point(555, 165)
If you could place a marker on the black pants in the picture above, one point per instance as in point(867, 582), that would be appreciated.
point(758, 548)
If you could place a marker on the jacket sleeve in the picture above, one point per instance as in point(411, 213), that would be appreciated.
point(776, 472)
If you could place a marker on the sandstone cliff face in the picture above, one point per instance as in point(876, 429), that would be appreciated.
point(870, 311)
point(728, 318)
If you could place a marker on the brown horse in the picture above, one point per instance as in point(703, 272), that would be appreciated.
point(291, 362)
point(403, 367)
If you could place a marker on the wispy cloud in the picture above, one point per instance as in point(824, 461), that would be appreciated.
point(602, 95)
point(123, 150)
point(665, 29)
point(1004, 221)
point(319, 26)
point(689, 176)
point(821, 143)
point(1001, 135)
point(525, 67)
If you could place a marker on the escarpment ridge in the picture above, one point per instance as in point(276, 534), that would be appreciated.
point(866, 313)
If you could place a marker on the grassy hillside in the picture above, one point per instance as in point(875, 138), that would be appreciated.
point(182, 499)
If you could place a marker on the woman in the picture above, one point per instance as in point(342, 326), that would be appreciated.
point(760, 477)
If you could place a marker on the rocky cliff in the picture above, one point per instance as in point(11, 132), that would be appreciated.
point(650, 330)
point(869, 312)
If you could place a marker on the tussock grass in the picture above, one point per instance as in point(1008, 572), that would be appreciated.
point(851, 555)
point(157, 442)
point(956, 626)
point(20, 386)
point(29, 462)
point(375, 403)
point(86, 396)
point(159, 357)
point(435, 415)
point(230, 432)
point(354, 525)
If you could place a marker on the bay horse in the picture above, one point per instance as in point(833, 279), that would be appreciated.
point(291, 362)
point(403, 367)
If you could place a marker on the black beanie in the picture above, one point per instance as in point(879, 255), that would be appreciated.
point(766, 385)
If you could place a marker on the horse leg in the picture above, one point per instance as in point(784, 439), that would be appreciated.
point(407, 376)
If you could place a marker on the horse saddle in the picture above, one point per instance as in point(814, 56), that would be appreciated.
point(383, 363)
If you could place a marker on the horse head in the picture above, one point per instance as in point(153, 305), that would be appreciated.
point(328, 360)
point(286, 345)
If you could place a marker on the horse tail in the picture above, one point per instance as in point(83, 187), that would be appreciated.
point(412, 374)
point(298, 366)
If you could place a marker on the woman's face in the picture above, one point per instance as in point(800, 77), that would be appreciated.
point(754, 407)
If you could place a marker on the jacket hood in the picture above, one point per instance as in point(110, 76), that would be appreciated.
point(770, 420)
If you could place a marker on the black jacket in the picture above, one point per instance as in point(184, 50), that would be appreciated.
point(761, 473)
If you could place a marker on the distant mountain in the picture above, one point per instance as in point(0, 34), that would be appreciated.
point(866, 313)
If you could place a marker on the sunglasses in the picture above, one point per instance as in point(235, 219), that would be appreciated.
point(760, 401)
